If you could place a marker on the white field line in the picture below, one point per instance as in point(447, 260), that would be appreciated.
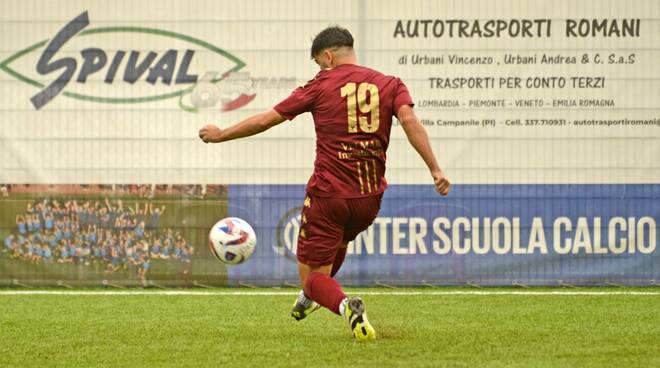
point(291, 293)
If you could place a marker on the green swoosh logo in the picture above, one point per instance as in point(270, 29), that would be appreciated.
point(238, 64)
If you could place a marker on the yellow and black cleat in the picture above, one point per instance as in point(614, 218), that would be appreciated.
point(300, 311)
point(357, 320)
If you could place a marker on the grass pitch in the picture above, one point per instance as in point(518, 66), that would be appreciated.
point(219, 329)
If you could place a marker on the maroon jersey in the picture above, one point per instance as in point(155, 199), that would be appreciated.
point(352, 108)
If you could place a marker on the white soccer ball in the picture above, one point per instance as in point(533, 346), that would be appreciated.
point(232, 240)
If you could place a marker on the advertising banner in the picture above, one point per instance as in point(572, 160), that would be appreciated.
point(481, 234)
point(112, 235)
point(545, 116)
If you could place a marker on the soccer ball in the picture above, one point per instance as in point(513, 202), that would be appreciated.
point(232, 240)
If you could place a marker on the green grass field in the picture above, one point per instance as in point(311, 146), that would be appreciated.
point(422, 330)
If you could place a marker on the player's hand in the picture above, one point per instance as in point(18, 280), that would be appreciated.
point(441, 183)
point(210, 133)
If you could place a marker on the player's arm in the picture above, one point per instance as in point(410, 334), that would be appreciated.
point(420, 141)
point(255, 124)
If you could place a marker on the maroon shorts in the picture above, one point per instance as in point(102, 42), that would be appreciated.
point(328, 222)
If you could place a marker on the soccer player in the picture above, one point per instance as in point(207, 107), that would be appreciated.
point(352, 107)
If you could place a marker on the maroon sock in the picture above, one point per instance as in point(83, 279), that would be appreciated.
point(339, 259)
point(324, 290)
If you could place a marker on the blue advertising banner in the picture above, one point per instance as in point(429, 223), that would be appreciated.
point(481, 234)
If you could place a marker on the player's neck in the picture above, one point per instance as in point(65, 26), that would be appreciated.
point(346, 60)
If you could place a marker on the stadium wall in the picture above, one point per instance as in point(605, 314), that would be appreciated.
point(544, 115)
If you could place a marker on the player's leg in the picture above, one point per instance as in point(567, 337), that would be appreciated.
point(339, 258)
point(320, 235)
point(304, 305)
point(363, 212)
point(355, 216)
point(304, 271)
point(326, 291)
point(321, 287)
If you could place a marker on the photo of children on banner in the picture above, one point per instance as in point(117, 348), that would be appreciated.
point(91, 232)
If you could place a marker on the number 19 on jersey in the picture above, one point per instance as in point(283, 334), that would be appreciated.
point(356, 97)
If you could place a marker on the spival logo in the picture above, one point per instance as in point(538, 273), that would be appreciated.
point(138, 76)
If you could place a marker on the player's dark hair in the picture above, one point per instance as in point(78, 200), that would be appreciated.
point(335, 36)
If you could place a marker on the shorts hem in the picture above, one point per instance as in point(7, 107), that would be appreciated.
point(313, 263)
